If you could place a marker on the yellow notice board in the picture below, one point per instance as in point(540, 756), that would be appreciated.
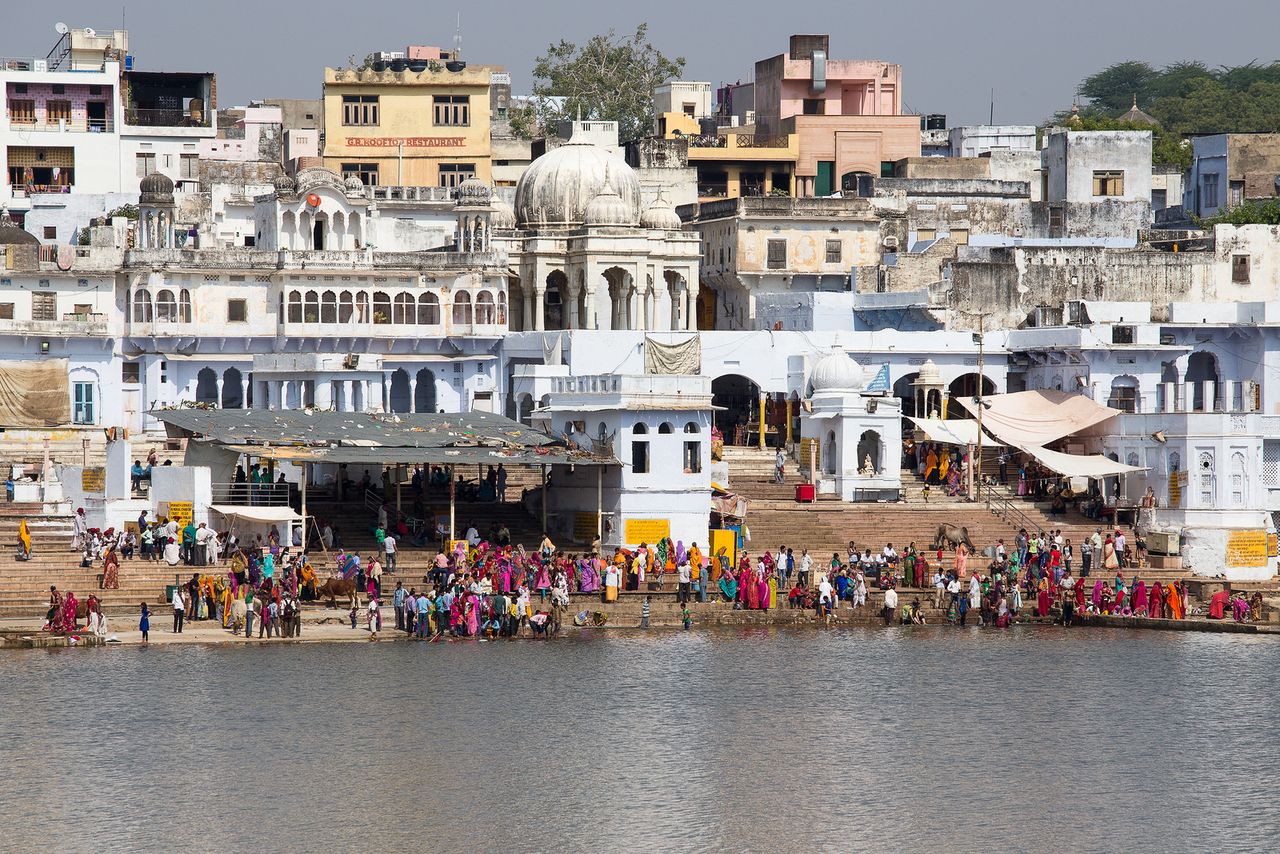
point(180, 512)
point(646, 531)
point(1247, 548)
point(584, 527)
point(1177, 480)
point(93, 479)
point(727, 540)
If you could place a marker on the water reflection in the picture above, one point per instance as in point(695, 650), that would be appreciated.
point(772, 738)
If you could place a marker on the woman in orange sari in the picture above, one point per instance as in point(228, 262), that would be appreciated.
point(1174, 602)
point(931, 467)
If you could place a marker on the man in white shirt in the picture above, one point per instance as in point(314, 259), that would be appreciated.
point(179, 609)
point(824, 595)
point(806, 567)
point(389, 546)
point(890, 605)
point(939, 587)
point(473, 536)
point(684, 574)
point(953, 590)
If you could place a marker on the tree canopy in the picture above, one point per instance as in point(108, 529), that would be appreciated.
point(1185, 98)
point(609, 78)
point(1250, 212)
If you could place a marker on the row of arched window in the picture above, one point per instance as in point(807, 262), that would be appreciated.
point(402, 309)
point(165, 306)
point(664, 427)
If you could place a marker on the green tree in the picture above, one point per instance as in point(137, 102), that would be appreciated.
point(1262, 212)
point(609, 78)
point(1113, 88)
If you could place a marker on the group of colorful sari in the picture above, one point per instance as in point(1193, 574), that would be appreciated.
point(1137, 599)
point(61, 616)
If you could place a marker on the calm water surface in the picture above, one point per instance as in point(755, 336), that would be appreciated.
point(728, 740)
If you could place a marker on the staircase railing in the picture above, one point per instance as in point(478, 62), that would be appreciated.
point(1003, 507)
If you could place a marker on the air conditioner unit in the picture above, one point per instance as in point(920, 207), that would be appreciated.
point(351, 362)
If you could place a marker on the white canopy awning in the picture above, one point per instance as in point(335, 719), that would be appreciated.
point(1028, 419)
point(961, 431)
point(256, 514)
point(1078, 465)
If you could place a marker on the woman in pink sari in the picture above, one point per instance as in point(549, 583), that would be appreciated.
point(1155, 601)
point(753, 591)
point(1139, 598)
point(66, 620)
point(962, 561)
point(472, 615)
point(762, 589)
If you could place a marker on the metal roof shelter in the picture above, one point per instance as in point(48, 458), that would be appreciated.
point(315, 436)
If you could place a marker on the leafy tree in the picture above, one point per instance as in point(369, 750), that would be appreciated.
point(609, 78)
point(1113, 88)
point(1261, 212)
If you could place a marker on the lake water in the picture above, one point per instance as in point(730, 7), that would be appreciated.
point(1035, 739)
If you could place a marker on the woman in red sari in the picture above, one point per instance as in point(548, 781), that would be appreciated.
point(66, 620)
point(1042, 598)
point(1155, 601)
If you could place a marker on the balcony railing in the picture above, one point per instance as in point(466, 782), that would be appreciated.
point(249, 494)
point(22, 123)
point(165, 118)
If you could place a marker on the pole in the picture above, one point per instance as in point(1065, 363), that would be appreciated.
point(600, 505)
point(762, 397)
point(982, 381)
point(399, 478)
point(452, 496)
point(544, 498)
point(304, 508)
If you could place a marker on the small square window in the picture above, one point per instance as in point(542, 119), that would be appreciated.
point(692, 457)
point(834, 251)
point(130, 372)
point(50, 232)
point(6, 311)
point(777, 259)
point(237, 311)
point(1108, 183)
point(1240, 269)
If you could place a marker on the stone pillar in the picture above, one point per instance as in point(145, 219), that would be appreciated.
point(788, 421)
point(1170, 396)
point(1188, 396)
point(572, 296)
point(691, 316)
point(734, 182)
point(762, 421)
point(768, 179)
point(540, 309)
point(413, 391)
point(589, 322)
point(1209, 393)
point(244, 391)
point(218, 382)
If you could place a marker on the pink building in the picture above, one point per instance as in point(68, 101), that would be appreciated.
point(846, 113)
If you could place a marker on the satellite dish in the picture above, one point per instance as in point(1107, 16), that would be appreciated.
point(89, 31)
point(61, 28)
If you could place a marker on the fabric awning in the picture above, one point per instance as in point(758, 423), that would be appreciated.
point(256, 514)
point(1033, 419)
point(1093, 466)
point(954, 432)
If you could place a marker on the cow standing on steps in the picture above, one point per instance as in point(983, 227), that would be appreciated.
point(952, 536)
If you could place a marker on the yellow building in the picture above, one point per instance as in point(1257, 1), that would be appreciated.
point(735, 162)
point(405, 128)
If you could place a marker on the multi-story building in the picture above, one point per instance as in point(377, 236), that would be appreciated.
point(408, 127)
point(1227, 168)
point(846, 113)
point(81, 127)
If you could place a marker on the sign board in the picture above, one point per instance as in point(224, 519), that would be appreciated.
point(1177, 480)
point(584, 527)
point(814, 447)
point(646, 530)
point(406, 141)
point(1246, 548)
point(1273, 545)
point(93, 480)
point(180, 512)
point(727, 540)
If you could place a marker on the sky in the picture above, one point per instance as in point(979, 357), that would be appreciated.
point(1033, 54)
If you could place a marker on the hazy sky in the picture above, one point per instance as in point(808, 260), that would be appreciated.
point(952, 53)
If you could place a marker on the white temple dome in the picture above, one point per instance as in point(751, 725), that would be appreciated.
point(661, 215)
point(608, 208)
point(557, 187)
point(929, 374)
point(836, 371)
point(502, 215)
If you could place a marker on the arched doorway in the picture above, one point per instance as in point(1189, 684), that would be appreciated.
point(739, 402)
point(869, 448)
point(1202, 366)
point(966, 386)
point(526, 409)
point(555, 311)
point(399, 398)
point(856, 184)
point(1124, 394)
point(906, 392)
point(621, 289)
point(232, 389)
point(707, 307)
point(424, 391)
point(207, 387)
point(317, 233)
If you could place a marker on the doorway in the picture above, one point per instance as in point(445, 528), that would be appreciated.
point(317, 235)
